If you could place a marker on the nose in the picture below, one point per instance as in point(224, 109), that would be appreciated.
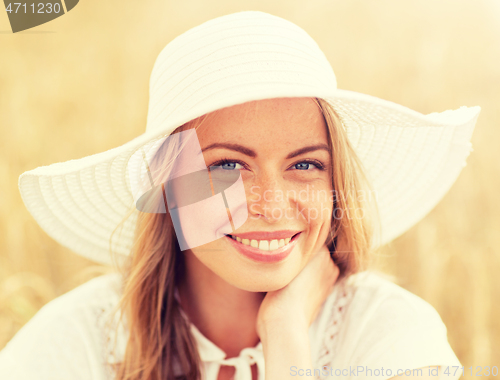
point(268, 198)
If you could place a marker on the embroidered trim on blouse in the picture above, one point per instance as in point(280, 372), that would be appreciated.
point(106, 320)
point(343, 297)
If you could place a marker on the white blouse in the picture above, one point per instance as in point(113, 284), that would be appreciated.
point(368, 327)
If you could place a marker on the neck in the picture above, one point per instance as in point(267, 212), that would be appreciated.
point(224, 314)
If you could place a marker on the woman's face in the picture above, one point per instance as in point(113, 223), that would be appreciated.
point(280, 148)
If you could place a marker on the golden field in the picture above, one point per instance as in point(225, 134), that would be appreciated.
point(79, 85)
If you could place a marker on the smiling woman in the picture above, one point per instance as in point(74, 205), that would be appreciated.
point(243, 223)
point(269, 141)
point(279, 145)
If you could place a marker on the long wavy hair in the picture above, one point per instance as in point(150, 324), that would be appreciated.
point(160, 345)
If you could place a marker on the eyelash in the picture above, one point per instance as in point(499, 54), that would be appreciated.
point(223, 161)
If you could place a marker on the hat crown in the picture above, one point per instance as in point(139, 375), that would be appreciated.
point(233, 59)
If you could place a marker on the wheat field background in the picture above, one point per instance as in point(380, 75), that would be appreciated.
point(79, 85)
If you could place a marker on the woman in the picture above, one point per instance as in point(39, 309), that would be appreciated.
point(243, 220)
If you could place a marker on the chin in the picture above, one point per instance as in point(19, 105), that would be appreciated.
point(262, 283)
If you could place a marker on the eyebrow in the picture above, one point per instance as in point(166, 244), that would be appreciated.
point(308, 149)
point(249, 152)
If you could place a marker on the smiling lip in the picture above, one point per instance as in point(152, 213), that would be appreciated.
point(265, 235)
point(256, 254)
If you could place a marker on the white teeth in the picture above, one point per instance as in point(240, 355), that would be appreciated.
point(273, 245)
point(264, 245)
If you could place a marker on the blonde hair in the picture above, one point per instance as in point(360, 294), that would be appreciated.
point(159, 337)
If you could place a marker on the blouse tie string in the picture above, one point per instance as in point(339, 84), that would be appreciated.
point(248, 356)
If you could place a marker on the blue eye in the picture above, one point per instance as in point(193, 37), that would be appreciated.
point(302, 165)
point(309, 164)
point(228, 165)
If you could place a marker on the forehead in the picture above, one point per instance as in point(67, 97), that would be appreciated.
point(267, 123)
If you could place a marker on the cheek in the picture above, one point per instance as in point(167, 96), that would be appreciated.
point(315, 202)
point(321, 204)
point(214, 257)
point(316, 205)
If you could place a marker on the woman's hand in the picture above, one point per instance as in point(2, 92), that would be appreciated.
point(298, 303)
point(286, 314)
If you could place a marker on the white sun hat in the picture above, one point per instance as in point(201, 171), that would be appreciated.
point(411, 159)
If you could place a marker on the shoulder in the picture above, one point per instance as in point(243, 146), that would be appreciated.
point(370, 298)
point(102, 291)
point(65, 338)
point(82, 306)
point(370, 320)
point(376, 295)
